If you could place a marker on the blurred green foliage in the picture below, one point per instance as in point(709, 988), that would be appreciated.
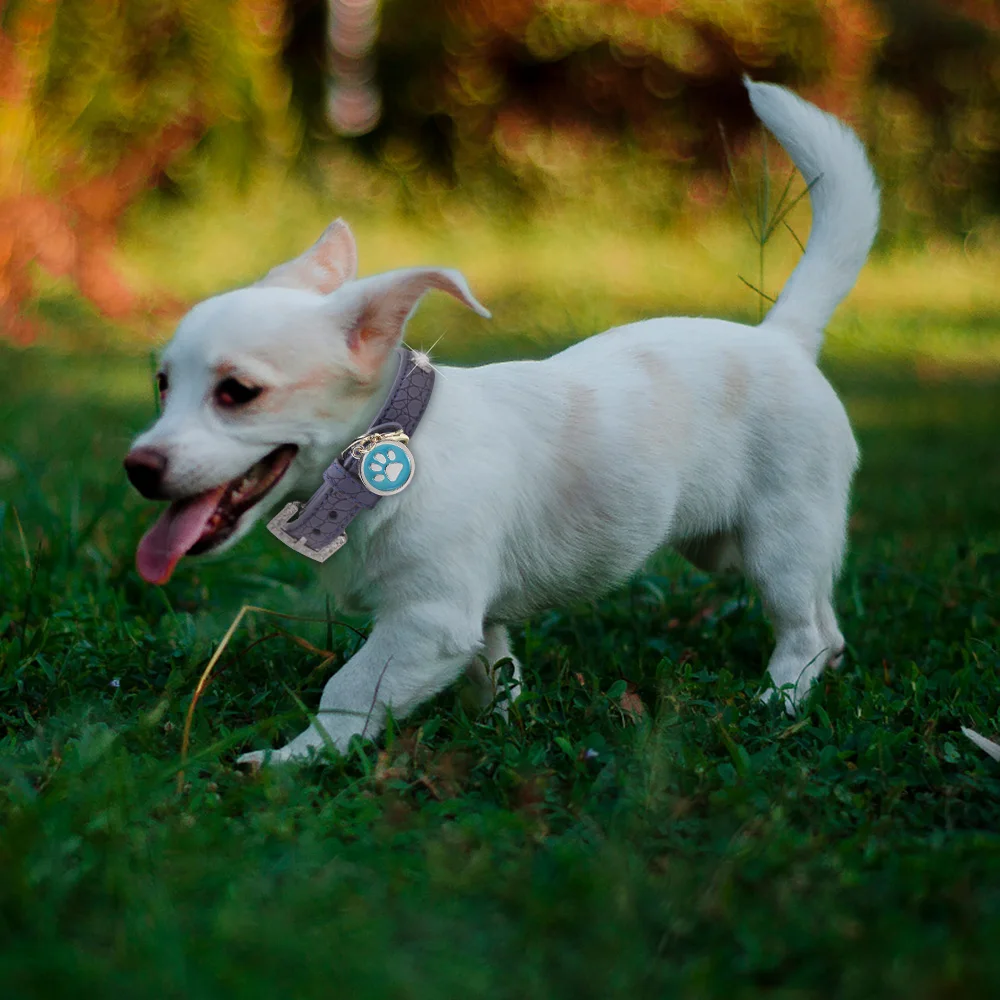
point(102, 100)
point(525, 87)
point(515, 106)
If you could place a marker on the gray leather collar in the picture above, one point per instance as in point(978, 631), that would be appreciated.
point(317, 529)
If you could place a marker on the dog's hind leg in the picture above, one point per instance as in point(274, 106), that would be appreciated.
point(832, 635)
point(793, 555)
point(489, 673)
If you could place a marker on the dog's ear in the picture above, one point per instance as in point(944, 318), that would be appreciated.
point(330, 262)
point(373, 312)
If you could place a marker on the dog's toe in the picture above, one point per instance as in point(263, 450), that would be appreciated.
point(293, 753)
point(253, 761)
point(257, 759)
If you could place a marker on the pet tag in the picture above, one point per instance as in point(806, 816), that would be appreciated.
point(387, 468)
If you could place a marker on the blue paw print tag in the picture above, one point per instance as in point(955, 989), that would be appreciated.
point(387, 468)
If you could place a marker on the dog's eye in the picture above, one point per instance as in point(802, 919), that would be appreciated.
point(230, 392)
point(161, 383)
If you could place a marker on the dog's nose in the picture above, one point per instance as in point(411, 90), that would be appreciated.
point(144, 468)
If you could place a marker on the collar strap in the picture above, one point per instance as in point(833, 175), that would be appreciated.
point(317, 529)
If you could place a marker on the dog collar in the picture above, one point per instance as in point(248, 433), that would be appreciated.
point(373, 466)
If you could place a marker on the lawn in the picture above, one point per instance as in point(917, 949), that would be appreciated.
point(640, 826)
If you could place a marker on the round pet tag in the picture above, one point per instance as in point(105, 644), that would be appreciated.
point(387, 468)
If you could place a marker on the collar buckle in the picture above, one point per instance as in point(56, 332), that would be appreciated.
point(277, 528)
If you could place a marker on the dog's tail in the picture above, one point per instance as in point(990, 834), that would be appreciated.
point(845, 209)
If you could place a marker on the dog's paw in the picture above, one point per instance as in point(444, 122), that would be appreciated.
point(506, 680)
point(257, 759)
point(252, 762)
point(785, 697)
point(502, 704)
point(301, 750)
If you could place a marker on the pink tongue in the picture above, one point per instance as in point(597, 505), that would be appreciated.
point(178, 528)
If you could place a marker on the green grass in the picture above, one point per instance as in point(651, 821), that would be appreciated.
point(712, 847)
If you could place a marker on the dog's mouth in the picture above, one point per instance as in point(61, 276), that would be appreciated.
point(201, 523)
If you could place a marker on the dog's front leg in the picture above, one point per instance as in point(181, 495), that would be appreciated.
point(410, 655)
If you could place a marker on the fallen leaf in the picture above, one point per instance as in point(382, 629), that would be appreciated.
point(632, 704)
point(987, 746)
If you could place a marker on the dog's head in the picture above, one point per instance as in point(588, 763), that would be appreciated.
point(263, 386)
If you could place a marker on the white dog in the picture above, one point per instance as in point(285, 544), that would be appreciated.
point(538, 482)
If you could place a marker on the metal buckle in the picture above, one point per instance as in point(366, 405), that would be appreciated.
point(277, 528)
